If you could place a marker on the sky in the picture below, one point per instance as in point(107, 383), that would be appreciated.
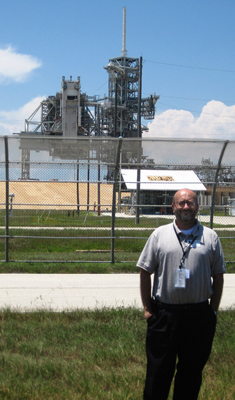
point(187, 47)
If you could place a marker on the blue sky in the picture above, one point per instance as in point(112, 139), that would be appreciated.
point(187, 48)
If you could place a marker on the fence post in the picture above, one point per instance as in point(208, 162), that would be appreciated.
point(7, 200)
point(116, 169)
point(137, 213)
point(215, 182)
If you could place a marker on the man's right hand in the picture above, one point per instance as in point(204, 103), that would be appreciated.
point(147, 315)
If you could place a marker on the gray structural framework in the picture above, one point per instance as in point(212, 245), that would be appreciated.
point(71, 113)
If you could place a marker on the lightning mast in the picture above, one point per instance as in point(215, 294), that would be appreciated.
point(124, 80)
point(124, 52)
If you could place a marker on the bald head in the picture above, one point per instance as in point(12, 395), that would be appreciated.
point(184, 192)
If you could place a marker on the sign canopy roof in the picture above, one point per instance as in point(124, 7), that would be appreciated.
point(170, 180)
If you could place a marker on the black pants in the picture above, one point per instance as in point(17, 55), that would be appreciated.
point(186, 335)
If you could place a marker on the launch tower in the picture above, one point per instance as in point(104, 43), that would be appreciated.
point(72, 113)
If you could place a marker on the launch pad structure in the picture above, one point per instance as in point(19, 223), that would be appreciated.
point(71, 113)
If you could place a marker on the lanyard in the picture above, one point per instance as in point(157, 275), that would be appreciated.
point(184, 251)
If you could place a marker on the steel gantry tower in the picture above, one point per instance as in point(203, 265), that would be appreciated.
point(72, 113)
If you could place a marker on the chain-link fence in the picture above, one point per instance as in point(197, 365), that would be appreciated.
point(97, 199)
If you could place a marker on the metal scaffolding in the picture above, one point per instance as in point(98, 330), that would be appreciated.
point(72, 113)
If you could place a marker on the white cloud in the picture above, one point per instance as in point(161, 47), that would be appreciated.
point(13, 121)
point(216, 121)
point(16, 67)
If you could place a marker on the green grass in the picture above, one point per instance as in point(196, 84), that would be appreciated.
point(76, 268)
point(55, 218)
point(63, 218)
point(94, 355)
point(67, 268)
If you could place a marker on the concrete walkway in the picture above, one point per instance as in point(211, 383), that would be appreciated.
point(58, 292)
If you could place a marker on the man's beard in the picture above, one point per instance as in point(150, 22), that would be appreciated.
point(189, 216)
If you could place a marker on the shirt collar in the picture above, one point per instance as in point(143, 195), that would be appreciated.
point(195, 231)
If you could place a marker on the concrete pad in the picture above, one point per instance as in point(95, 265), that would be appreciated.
point(64, 292)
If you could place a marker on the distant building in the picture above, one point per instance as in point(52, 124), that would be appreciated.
point(157, 188)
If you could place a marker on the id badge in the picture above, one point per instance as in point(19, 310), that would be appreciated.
point(180, 278)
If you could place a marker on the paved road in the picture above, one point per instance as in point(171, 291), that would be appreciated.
point(58, 292)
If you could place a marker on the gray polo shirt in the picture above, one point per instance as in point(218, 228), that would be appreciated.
point(163, 252)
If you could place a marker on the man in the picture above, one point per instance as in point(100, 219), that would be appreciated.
point(188, 265)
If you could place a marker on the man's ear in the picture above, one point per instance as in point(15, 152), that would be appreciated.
point(173, 207)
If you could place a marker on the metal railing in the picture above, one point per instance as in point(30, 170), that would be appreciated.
point(73, 190)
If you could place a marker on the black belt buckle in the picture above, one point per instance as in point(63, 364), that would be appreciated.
point(156, 305)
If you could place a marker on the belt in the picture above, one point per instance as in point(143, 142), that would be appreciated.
point(178, 307)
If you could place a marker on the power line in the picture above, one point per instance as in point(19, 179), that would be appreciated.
point(190, 66)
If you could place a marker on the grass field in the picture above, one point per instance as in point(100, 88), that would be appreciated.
point(64, 242)
point(95, 355)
